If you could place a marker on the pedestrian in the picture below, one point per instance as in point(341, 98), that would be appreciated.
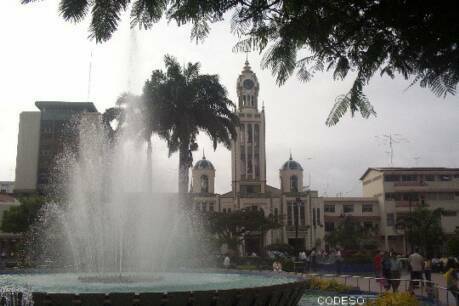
point(452, 278)
point(428, 268)
point(277, 266)
point(386, 270)
point(307, 262)
point(416, 262)
point(378, 265)
point(339, 261)
point(226, 262)
point(313, 256)
point(395, 271)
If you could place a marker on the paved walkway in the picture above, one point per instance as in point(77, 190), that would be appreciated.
point(367, 283)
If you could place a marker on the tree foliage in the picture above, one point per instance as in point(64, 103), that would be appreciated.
point(418, 40)
point(351, 235)
point(18, 219)
point(185, 102)
point(230, 227)
point(423, 228)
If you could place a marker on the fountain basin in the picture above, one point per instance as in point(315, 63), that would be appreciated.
point(172, 288)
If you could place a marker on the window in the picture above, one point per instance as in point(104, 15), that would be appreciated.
point(450, 213)
point(367, 208)
point(391, 196)
point(410, 197)
point(348, 208)
point(390, 219)
point(257, 134)
point(431, 196)
point(446, 196)
point(293, 183)
point(444, 178)
point(329, 208)
point(329, 226)
point(368, 225)
point(242, 131)
point(391, 178)
point(409, 178)
point(211, 206)
point(204, 206)
point(296, 213)
point(457, 194)
point(429, 177)
point(204, 183)
point(318, 216)
point(456, 176)
point(249, 133)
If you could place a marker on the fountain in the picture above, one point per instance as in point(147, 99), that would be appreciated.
point(127, 242)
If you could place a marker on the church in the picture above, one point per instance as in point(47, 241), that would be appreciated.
point(297, 208)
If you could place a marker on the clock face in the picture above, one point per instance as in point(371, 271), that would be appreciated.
point(248, 84)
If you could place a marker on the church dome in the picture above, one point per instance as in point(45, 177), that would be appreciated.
point(203, 164)
point(292, 165)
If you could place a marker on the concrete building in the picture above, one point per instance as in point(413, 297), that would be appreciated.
point(42, 136)
point(300, 211)
point(6, 187)
point(400, 190)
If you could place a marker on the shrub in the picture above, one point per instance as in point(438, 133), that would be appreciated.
point(327, 285)
point(395, 299)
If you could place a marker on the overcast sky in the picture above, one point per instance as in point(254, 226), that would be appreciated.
point(44, 58)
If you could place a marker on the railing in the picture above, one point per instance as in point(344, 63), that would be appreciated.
point(427, 289)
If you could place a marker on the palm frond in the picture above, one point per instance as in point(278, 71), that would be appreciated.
point(73, 10)
point(281, 59)
point(105, 18)
point(145, 13)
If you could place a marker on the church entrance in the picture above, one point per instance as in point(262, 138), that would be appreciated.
point(253, 245)
point(297, 243)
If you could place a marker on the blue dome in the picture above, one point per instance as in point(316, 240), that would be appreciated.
point(203, 164)
point(292, 165)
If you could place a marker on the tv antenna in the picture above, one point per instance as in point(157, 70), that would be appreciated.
point(390, 140)
point(416, 160)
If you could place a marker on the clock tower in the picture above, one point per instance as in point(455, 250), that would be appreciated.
point(248, 154)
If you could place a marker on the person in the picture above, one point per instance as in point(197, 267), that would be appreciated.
point(339, 261)
point(277, 266)
point(385, 264)
point(416, 262)
point(428, 269)
point(302, 258)
point(313, 259)
point(395, 271)
point(451, 278)
point(226, 262)
point(307, 262)
point(378, 265)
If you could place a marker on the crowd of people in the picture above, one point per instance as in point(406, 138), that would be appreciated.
point(388, 267)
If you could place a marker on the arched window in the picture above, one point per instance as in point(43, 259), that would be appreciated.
point(204, 183)
point(294, 183)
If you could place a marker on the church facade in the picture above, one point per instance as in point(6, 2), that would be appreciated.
point(298, 209)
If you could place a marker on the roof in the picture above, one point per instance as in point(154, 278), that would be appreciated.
point(203, 164)
point(407, 169)
point(83, 106)
point(291, 165)
point(350, 199)
point(6, 198)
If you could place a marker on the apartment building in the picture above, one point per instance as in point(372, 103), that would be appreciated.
point(400, 190)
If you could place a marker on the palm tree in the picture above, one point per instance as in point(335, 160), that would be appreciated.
point(131, 114)
point(183, 102)
point(422, 228)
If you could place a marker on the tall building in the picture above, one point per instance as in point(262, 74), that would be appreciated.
point(298, 209)
point(42, 136)
point(401, 190)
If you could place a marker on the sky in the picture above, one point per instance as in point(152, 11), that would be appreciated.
point(43, 57)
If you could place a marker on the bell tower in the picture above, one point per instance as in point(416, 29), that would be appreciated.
point(248, 154)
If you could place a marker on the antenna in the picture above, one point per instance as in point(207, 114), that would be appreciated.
point(390, 140)
point(416, 159)
point(89, 77)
